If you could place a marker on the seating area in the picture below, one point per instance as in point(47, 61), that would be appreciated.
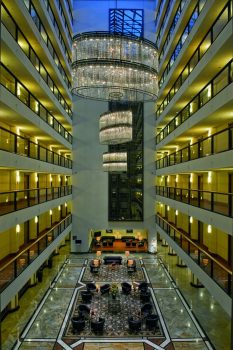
point(112, 260)
point(115, 308)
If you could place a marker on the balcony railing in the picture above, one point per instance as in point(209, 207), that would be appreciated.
point(14, 143)
point(221, 141)
point(13, 85)
point(18, 263)
point(16, 200)
point(223, 18)
point(214, 86)
point(218, 202)
point(219, 271)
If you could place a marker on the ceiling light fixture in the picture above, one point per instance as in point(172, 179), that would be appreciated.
point(115, 127)
point(113, 66)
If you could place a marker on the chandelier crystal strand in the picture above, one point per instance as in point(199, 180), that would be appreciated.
point(115, 161)
point(109, 66)
point(115, 127)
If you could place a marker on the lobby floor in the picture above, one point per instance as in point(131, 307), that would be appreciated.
point(190, 318)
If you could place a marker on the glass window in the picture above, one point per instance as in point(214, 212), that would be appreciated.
point(43, 113)
point(8, 22)
point(43, 73)
point(185, 73)
point(23, 43)
point(34, 16)
point(193, 62)
point(220, 24)
point(34, 105)
point(205, 44)
point(50, 83)
point(43, 34)
point(22, 93)
point(7, 80)
point(34, 59)
point(205, 95)
point(220, 81)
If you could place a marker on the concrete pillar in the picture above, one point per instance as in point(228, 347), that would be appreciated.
point(180, 262)
point(195, 282)
point(14, 303)
point(33, 280)
point(171, 251)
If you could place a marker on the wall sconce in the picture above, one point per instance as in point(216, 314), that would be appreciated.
point(17, 177)
point(209, 229)
point(168, 208)
point(17, 228)
point(50, 212)
point(59, 207)
point(65, 204)
point(209, 91)
point(209, 179)
point(177, 212)
point(36, 219)
point(168, 178)
point(191, 178)
point(36, 177)
point(176, 178)
point(209, 132)
point(51, 178)
point(59, 178)
point(51, 120)
point(191, 219)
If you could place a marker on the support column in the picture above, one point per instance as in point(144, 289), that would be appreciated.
point(195, 282)
point(14, 303)
point(171, 251)
point(33, 280)
point(180, 262)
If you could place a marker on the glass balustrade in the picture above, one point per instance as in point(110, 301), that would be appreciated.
point(18, 263)
point(219, 271)
point(15, 200)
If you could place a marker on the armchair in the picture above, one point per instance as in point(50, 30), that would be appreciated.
point(97, 326)
point(134, 325)
point(78, 324)
point(84, 311)
point(126, 288)
point(86, 296)
point(105, 288)
point(152, 321)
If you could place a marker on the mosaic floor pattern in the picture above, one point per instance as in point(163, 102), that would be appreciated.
point(50, 326)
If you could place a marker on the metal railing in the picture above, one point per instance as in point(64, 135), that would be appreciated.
point(217, 202)
point(16, 200)
point(220, 272)
point(12, 84)
point(18, 263)
point(11, 142)
point(221, 141)
point(211, 89)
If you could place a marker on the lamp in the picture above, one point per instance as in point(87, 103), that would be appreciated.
point(113, 66)
point(115, 161)
point(98, 253)
point(115, 127)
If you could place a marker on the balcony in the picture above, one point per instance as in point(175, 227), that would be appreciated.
point(17, 144)
point(12, 266)
point(213, 144)
point(16, 200)
point(213, 266)
point(217, 202)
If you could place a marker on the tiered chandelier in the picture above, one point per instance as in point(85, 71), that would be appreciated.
point(115, 127)
point(115, 161)
point(112, 66)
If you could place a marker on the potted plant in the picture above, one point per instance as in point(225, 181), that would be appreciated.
point(114, 290)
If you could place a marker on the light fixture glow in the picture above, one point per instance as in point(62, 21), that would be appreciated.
point(17, 228)
point(115, 127)
point(177, 212)
point(112, 66)
point(209, 229)
point(191, 219)
point(115, 162)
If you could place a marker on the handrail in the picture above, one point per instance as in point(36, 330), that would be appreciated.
point(190, 189)
point(199, 142)
point(36, 145)
point(196, 245)
point(38, 188)
point(188, 112)
point(33, 243)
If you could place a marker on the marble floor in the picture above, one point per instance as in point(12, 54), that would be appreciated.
point(41, 324)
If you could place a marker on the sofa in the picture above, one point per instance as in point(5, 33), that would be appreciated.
point(126, 238)
point(112, 259)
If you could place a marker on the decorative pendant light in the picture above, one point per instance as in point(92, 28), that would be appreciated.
point(115, 161)
point(112, 66)
point(115, 127)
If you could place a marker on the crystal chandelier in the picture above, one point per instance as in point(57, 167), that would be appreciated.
point(112, 66)
point(115, 127)
point(115, 162)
